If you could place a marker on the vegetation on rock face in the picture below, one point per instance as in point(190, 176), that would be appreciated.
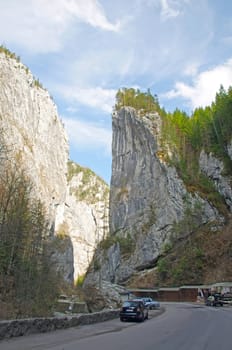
point(63, 231)
point(142, 101)
point(88, 186)
point(204, 257)
point(12, 55)
point(126, 244)
point(8, 53)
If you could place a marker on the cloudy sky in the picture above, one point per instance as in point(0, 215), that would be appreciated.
point(83, 51)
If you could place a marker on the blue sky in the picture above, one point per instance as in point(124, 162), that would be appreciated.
point(83, 51)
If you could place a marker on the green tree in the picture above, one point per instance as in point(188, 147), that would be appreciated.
point(27, 279)
point(144, 101)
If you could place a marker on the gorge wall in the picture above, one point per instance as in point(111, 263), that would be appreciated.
point(149, 201)
point(36, 138)
point(85, 215)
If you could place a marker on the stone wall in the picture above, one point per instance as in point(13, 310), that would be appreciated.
point(16, 328)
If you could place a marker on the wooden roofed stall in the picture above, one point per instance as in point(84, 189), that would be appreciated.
point(169, 294)
point(152, 293)
point(185, 293)
point(191, 293)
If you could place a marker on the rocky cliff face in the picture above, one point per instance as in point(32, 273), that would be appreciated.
point(36, 138)
point(33, 131)
point(148, 200)
point(86, 214)
point(214, 169)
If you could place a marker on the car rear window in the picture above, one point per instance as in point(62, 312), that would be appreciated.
point(130, 303)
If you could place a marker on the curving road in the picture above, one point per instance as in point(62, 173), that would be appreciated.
point(182, 326)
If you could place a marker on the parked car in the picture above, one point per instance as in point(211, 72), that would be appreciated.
point(227, 298)
point(133, 310)
point(150, 303)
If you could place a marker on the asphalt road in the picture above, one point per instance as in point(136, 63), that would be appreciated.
point(181, 327)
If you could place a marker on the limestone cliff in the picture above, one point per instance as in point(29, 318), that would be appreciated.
point(149, 202)
point(33, 131)
point(85, 215)
point(36, 138)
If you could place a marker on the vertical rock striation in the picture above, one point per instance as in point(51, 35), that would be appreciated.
point(147, 199)
point(34, 132)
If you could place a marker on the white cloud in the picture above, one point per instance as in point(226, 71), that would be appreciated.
point(90, 11)
point(168, 10)
point(41, 25)
point(205, 86)
point(103, 99)
point(86, 135)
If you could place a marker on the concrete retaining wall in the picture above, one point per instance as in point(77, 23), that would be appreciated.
point(22, 327)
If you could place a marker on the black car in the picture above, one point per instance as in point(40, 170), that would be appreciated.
point(134, 310)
